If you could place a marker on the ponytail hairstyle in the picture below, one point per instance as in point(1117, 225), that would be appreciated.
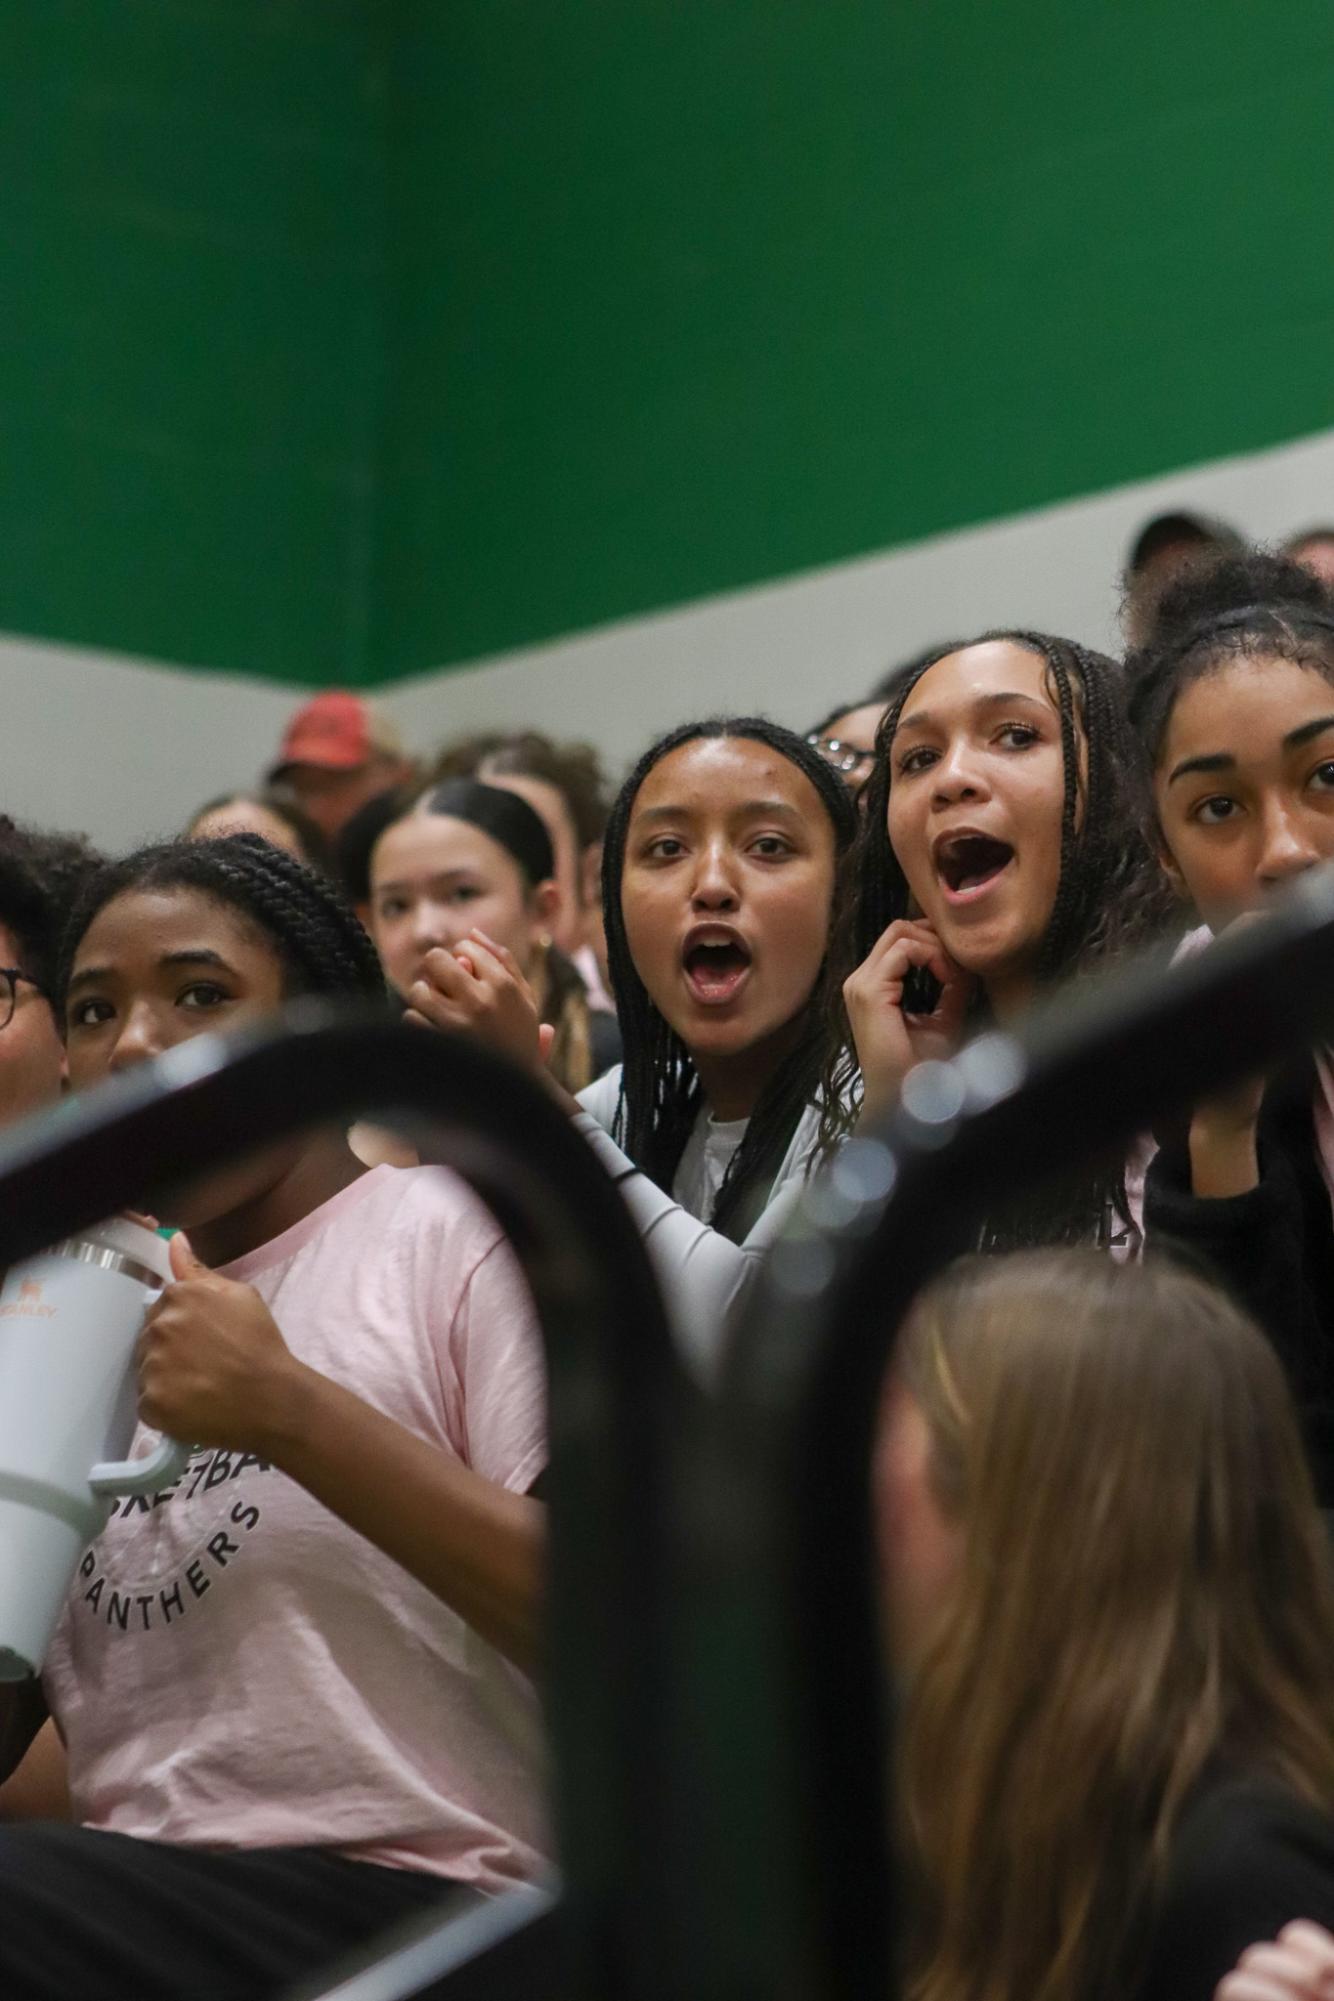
point(313, 930)
point(1111, 895)
point(506, 818)
point(1235, 609)
point(660, 1090)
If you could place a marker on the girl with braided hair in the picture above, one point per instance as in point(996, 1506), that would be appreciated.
point(1002, 852)
point(1233, 696)
point(292, 1686)
point(719, 868)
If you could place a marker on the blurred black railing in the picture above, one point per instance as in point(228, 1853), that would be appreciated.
point(617, 1400)
point(717, 1692)
point(788, 1884)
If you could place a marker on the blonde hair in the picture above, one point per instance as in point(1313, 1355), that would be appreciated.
point(1145, 1590)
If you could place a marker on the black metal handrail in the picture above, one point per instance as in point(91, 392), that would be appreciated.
point(617, 1396)
point(718, 1713)
point(791, 1894)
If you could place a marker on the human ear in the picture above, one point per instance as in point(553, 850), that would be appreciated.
point(546, 903)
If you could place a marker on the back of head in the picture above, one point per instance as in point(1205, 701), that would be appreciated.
point(236, 813)
point(1246, 605)
point(314, 931)
point(573, 769)
point(1166, 547)
point(1178, 530)
point(41, 875)
point(1144, 1591)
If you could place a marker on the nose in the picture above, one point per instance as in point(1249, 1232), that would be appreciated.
point(139, 1039)
point(1287, 848)
point(433, 924)
point(714, 884)
point(957, 774)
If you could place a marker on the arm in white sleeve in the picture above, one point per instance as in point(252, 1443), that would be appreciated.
point(704, 1276)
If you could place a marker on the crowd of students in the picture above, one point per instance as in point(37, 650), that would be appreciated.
point(1109, 1596)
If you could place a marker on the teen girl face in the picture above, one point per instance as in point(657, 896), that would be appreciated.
point(1244, 784)
point(154, 968)
point(433, 880)
point(977, 792)
point(726, 892)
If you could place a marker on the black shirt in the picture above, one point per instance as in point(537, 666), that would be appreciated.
point(1248, 1858)
point(1272, 1248)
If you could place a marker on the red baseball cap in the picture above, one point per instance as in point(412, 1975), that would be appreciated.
point(337, 731)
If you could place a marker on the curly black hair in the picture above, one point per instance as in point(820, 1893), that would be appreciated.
point(41, 875)
point(1111, 894)
point(660, 1090)
point(1240, 607)
point(311, 926)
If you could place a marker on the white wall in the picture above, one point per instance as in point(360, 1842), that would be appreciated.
point(794, 648)
point(126, 750)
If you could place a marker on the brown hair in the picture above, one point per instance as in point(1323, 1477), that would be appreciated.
point(566, 1008)
point(1145, 1594)
point(574, 769)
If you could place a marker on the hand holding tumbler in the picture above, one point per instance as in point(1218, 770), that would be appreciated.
point(69, 1323)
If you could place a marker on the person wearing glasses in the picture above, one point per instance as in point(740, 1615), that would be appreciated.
point(846, 739)
point(39, 875)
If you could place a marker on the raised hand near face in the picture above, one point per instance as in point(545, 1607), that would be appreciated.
point(478, 989)
point(890, 1039)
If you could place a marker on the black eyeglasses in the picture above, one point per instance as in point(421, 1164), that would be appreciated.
point(843, 756)
point(9, 990)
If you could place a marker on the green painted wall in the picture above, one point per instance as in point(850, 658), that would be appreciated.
point(692, 293)
point(191, 270)
point(342, 338)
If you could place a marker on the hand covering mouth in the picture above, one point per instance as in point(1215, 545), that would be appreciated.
point(967, 861)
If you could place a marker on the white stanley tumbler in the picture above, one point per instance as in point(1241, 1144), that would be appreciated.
point(69, 1322)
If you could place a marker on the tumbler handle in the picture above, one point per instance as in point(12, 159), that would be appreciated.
point(165, 1463)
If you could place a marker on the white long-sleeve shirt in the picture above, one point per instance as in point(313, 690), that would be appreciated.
point(704, 1276)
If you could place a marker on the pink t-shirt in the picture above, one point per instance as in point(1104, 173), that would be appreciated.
point(236, 1668)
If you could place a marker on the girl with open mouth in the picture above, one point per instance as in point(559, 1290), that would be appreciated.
point(1003, 852)
point(719, 871)
point(1234, 698)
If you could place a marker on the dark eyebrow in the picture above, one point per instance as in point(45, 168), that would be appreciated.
point(436, 875)
point(1295, 738)
point(1219, 760)
point(201, 957)
point(1224, 761)
point(92, 976)
point(752, 808)
point(923, 718)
